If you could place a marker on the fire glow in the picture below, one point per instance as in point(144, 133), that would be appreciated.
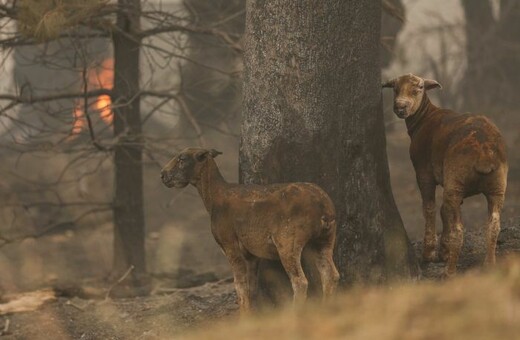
point(101, 77)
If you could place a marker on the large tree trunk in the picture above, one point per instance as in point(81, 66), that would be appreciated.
point(129, 222)
point(313, 112)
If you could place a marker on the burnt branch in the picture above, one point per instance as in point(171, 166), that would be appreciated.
point(53, 229)
point(29, 99)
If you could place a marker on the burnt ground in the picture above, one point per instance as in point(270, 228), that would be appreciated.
point(169, 312)
point(158, 316)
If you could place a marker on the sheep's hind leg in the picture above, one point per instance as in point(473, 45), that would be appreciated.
point(290, 256)
point(427, 188)
point(324, 249)
point(329, 275)
point(451, 219)
point(445, 240)
point(495, 203)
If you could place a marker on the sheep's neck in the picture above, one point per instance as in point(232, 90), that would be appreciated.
point(210, 184)
point(414, 121)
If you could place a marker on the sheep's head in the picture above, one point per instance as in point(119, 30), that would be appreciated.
point(186, 167)
point(408, 93)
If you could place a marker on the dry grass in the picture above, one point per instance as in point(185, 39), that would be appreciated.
point(472, 306)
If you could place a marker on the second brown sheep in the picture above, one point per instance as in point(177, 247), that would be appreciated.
point(463, 153)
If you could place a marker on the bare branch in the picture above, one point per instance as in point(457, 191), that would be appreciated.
point(86, 113)
point(39, 99)
point(393, 10)
point(186, 110)
point(234, 44)
point(20, 40)
point(60, 227)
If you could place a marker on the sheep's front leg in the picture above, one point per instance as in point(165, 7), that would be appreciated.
point(240, 274)
point(252, 277)
point(427, 188)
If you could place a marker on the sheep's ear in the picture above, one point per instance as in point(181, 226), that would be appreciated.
point(430, 84)
point(214, 153)
point(390, 83)
point(201, 155)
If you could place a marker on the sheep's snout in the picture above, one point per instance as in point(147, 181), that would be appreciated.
point(167, 178)
point(164, 176)
point(402, 108)
point(170, 180)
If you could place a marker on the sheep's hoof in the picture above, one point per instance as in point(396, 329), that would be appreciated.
point(489, 262)
point(444, 256)
point(446, 275)
point(430, 256)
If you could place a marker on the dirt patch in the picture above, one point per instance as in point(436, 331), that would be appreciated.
point(154, 317)
point(473, 249)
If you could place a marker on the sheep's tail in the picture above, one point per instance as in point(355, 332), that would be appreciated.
point(486, 163)
point(328, 222)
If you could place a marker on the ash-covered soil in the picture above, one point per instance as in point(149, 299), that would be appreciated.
point(159, 316)
point(474, 249)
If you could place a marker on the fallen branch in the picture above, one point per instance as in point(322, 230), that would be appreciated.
point(72, 304)
point(26, 302)
point(121, 279)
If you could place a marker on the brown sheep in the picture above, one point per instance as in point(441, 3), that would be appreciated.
point(252, 222)
point(463, 153)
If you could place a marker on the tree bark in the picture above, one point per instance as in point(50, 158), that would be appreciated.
point(313, 112)
point(129, 225)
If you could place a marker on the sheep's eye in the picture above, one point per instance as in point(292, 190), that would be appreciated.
point(421, 87)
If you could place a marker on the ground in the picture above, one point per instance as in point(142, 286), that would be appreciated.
point(158, 316)
point(171, 312)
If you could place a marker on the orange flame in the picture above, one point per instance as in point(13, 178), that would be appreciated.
point(101, 77)
point(79, 120)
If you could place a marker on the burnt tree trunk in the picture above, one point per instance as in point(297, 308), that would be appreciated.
point(313, 112)
point(128, 201)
